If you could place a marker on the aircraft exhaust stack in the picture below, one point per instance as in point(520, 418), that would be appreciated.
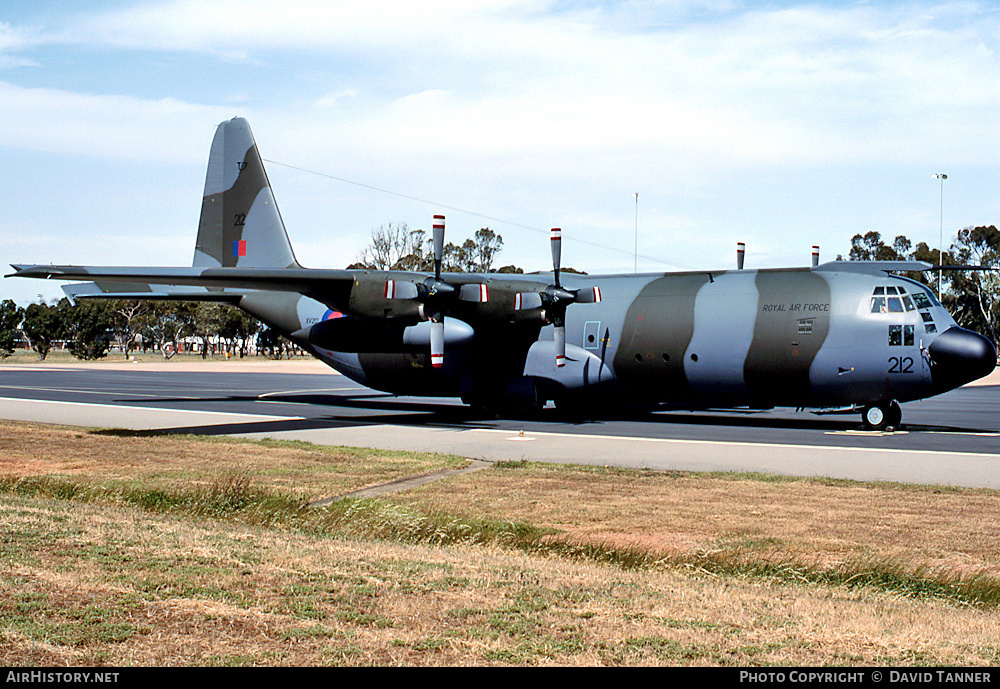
point(741, 249)
point(815, 255)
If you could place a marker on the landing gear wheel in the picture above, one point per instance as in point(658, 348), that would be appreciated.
point(878, 417)
point(895, 414)
point(875, 417)
point(570, 408)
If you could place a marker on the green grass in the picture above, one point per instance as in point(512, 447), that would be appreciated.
point(233, 497)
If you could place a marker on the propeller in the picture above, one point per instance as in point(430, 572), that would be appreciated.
point(433, 296)
point(554, 299)
point(560, 300)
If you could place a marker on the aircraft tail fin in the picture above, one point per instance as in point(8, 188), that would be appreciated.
point(240, 224)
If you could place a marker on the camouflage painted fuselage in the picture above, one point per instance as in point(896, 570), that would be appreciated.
point(793, 337)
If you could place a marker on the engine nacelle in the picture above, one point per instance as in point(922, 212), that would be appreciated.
point(376, 295)
point(370, 336)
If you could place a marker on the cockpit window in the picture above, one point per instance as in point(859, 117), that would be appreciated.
point(896, 299)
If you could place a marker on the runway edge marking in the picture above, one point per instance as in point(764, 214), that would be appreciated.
point(161, 409)
point(736, 443)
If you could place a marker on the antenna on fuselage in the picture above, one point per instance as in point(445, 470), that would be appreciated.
point(741, 249)
point(815, 255)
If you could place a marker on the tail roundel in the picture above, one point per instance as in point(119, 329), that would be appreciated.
point(240, 224)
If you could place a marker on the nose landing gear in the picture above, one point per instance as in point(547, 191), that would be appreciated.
point(878, 417)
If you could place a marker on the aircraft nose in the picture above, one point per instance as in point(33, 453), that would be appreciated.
point(960, 356)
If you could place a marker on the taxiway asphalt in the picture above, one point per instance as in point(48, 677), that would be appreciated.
point(953, 439)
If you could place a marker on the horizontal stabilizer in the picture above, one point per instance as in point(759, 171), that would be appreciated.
point(93, 290)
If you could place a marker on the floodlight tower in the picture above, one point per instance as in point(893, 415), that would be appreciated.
point(942, 177)
point(635, 263)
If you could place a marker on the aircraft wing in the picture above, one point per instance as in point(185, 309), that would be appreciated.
point(216, 284)
point(877, 267)
point(874, 267)
point(337, 289)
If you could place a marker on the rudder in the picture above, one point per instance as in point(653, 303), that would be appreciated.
point(240, 224)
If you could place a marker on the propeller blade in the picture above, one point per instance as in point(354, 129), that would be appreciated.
point(559, 335)
point(438, 233)
point(437, 343)
point(556, 234)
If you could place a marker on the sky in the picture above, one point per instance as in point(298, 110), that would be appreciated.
point(656, 134)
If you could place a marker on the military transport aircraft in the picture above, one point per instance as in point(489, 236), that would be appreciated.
point(841, 335)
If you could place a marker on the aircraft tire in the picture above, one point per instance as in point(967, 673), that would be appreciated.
point(895, 414)
point(874, 417)
point(878, 417)
point(570, 408)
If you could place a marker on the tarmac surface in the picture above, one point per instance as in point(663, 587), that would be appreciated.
point(953, 439)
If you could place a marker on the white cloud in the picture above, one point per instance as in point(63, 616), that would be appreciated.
point(541, 110)
point(122, 127)
point(810, 83)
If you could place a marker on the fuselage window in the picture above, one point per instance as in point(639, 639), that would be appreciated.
point(879, 290)
point(927, 317)
point(878, 305)
point(895, 335)
point(890, 290)
point(907, 335)
point(908, 303)
point(930, 328)
point(895, 306)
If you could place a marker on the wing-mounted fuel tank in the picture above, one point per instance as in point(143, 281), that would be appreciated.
point(375, 336)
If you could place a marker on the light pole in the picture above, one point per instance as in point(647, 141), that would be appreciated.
point(635, 261)
point(942, 177)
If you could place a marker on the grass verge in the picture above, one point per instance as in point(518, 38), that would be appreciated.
point(166, 550)
point(234, 497)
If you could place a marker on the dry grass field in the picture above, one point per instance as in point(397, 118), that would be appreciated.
point(130, 549)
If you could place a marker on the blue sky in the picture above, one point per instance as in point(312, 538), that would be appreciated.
point(782, 125)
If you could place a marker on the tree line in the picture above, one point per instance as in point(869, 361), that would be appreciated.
point(88, 328)
point(972, 296)
point(397, 247)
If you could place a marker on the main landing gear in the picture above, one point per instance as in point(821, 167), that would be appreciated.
point(878, 417)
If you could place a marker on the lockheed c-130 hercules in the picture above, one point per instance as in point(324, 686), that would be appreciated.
point(838, 335)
